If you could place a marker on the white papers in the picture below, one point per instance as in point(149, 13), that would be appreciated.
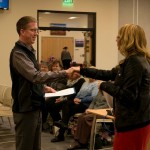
point(68, 91)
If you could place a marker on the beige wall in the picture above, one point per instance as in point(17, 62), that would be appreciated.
point(107, 26)
point(111, 14)
point(137, 12)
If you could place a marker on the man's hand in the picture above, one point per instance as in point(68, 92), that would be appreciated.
point(69, 71)
point(48, 89)
point(77, 69)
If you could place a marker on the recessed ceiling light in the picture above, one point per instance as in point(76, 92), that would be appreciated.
point(47, 13)
point(72, 17)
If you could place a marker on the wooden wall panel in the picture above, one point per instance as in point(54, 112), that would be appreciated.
point(52, 46)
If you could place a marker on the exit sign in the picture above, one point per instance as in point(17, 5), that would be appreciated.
point(67, 2)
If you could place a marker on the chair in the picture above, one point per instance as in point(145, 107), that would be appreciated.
point(96, 120)
point(6, 103)
point(7, 97)
point(6, 111)
point(2, 89)
point(148, 145)
point(109, 99)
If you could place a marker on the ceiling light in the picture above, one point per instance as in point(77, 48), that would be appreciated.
point(72, 17)
point(47, 13)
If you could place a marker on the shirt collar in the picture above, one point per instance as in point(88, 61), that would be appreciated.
point(28, 47)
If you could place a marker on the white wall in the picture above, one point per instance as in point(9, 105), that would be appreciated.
point(107, 28)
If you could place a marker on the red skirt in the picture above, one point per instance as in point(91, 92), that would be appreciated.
point(132, 140)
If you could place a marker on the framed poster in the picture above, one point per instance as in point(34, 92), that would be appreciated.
point(79, 43)
point(57, 32)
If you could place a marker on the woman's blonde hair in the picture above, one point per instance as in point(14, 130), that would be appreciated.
point(132, 40)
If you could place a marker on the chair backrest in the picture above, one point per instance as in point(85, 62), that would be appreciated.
point(2, 89)
point(109, 99)
point(7, 97)
point(148, 145)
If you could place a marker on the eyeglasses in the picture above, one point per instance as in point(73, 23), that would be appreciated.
point(118, 37)
point(34, 30)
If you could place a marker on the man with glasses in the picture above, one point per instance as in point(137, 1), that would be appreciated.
point(27, 86)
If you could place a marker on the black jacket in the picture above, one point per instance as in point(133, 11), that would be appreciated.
point(131, 91)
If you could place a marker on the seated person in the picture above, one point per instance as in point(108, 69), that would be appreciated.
point(54, 105)
point(84, 123)
point(58, 84)
point(44, 66)
point(79, 104)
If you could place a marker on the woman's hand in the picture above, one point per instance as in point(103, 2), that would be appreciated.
point(99, 83)
point(77, 101)
point(86, 111)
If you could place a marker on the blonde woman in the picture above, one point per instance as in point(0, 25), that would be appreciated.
point(130, 89)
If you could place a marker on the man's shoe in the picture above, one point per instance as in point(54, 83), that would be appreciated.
point(57, 139)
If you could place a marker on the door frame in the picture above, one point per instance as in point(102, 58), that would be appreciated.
point(91, 28)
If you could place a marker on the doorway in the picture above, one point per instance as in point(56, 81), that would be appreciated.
point(62, 25)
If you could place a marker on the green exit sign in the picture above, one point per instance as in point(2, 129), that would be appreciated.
point(67, 2)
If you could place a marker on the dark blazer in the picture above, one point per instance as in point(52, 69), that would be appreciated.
point(131, 91)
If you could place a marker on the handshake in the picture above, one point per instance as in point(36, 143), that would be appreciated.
point(72, 69)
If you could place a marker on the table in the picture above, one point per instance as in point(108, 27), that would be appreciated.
point(107, 118)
